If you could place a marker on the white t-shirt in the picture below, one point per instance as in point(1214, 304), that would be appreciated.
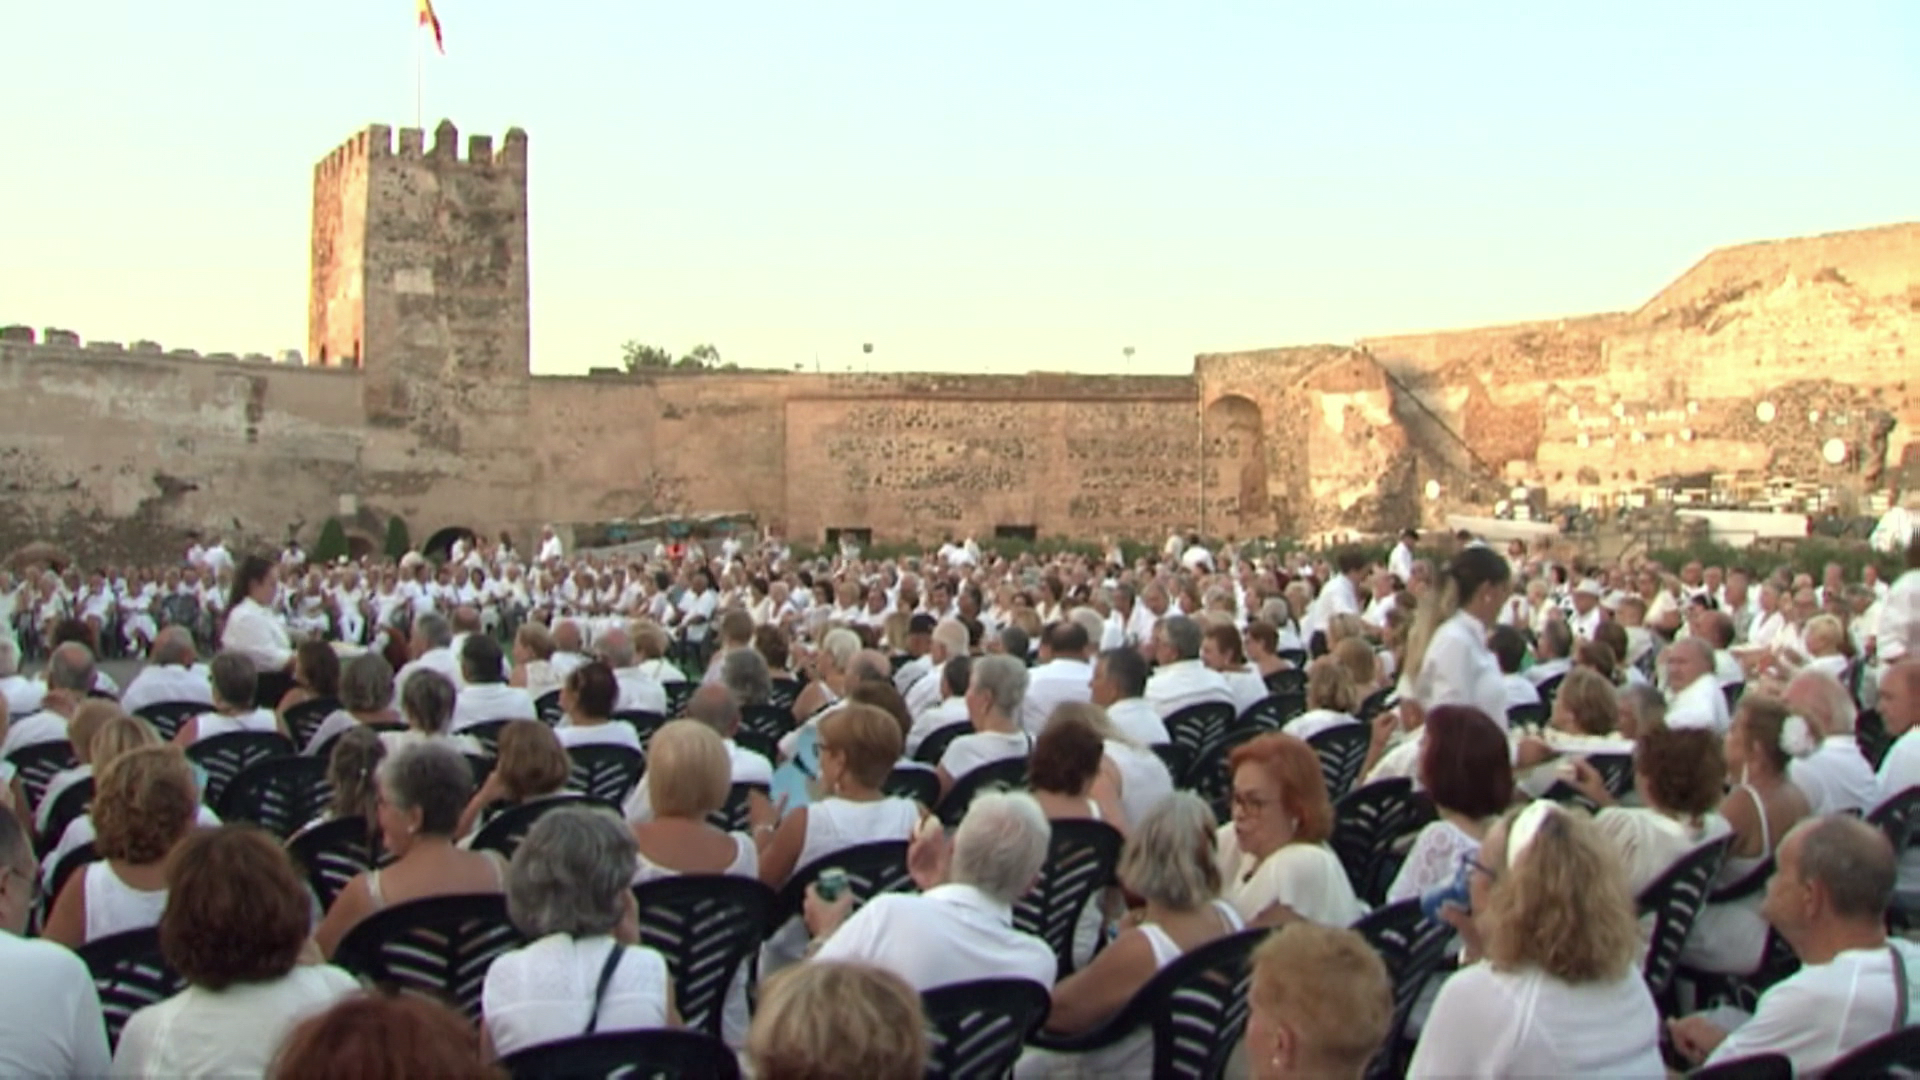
point(158, 683)
point(612, 733)
point(1137, 719)
point(1056, 682)
point(1185, 683)
point(1459, 669)
point(1144, 778)
point(1823, 1011)
point(478, 703)
point(543, 992)
point(50, 1022)
point(1488, 1023)
point(970, 752)
point(231, 1032)
point(1701, 704)
point(949, 934)
point(1836, 777)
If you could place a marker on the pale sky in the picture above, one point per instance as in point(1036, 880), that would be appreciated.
point(988, 186)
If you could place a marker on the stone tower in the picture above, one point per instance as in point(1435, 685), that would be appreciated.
point(420, 282)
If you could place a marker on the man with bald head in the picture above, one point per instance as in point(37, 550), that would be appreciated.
point(569, 648)
point(949, 640)
point(69, 676)
point(639, 691)
point(1828, 898)
point(714, 706)
point(173, 673)
point(1694, 697)
point(1836, 777)
point(1900, 769)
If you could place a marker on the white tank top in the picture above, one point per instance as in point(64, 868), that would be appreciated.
point(115, 908)
point(211, 724)
point(1166, 950)
point(746, 863)
point(837, 824)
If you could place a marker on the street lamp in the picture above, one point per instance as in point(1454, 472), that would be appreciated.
point(867, 348)
point(1128, 353)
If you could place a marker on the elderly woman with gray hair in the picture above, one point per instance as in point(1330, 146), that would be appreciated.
point(366, 697)
point(584, 973)
point(1168, 864)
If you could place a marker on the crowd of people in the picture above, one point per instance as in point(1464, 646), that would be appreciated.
point(1576, 730)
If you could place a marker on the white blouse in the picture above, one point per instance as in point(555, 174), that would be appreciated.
point(543, 992)
point(257, 634)
point(1490, 1023)
point(1433, 861)
point(1459, 669)
point(1305, 877)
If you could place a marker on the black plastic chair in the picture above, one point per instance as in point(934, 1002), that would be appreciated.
point(1367, 821)
point(660, 1054)
point(1196, 1008)
point(1209, 777)
point(1890, 1055)
point(1413, 947)
point(1005, 773)
point(733, 817)
point(269, 687)
point(934, 746)
point(1081, 857)
point(1752, 1067)
point(679, 692)
point(1296, 657)
point(1519, 716)
point(305, 718)
point(644, 724)
point(1733, 691)
point(1291, 680)
point(1272, 712)
point(977, 1029)
point(324, 751)
point(1674, 900)
point(547, 707)
point(279, 794)
point(707, 926)
point(1342, 751)
point(331, 853)
point(1199, 728)
point(70, 864)
point(872, 869)
point(1616, 771)
point(785, 693)
point(37, 763)
point(1899, 818)
point(1375, 704)
point(1870, 734)
point(505, 830)
point(1550, 689)
point(440, 946)
point(605, 771)
point(922, 785)
point(68, 806)
point(168, 717)
point(224, 756)
point(1178, 762)
point(130, 974)
point(767, 721)
point(487, 734)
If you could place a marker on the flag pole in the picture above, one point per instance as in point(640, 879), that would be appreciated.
point(419, 66)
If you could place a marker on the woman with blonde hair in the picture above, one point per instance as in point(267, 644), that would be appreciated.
point(1585, 720)
point(1551, 986)
point(533, 660)
point(825, 1020)
point(88, 719)
point(1332, 697)
point(1826, 642)
point(1361, 664)
point(144, 804)
point(1320, 1005)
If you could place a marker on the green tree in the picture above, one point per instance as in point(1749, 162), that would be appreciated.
point(398, 542)
point(701, 356)
point(639, 357)
point(332, 543)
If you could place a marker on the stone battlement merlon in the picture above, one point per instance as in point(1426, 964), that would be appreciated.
point(20, 342)
point(377, 141)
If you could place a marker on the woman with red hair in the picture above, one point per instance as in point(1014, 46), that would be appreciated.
point(1274, 854)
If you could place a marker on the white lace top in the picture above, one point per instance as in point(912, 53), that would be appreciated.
point(1433, 862)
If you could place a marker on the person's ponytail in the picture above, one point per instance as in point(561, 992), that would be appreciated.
point(1465, 575)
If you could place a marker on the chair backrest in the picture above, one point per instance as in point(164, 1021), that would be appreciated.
point(1733, 691)
point(305, 718)
point(1899, 818)
point(486, 733)
point(1752, 1067)
point(1527, 715)
point(223, 756)
point(69, 864)
point(733, 816)
point(1197, 1007)
point(505, 830)
point(1005, 773)
point(547, 707)
point(1296, 657)
point(1550, 689)
point(1674, 900)
point(1177, 760)
point(872, 869)
point(1413, 948)
point(1892, 1054)
point(324, 749)
point(1197, 728)
point(1871, 735)
point(37, 763)
point(1616, 771)
point(1376, 703)
point(679, 692)
point(605, 771)
point(279, 794)
point(1272, 712)
point(766, 721)
point(168, 717)
point(72, 802)
point(130, 974)
point(1342, 751)
point(908, 782)
point(644, 724)
point(1291, 680)
point(977, 1029)
point(1366, 822)
point(707, 926)
point(440, 946)
point(331, 853)
point(269, 687)
point(662, 1053)
point(934, 746)
point(1081, 857)
point(785, 693)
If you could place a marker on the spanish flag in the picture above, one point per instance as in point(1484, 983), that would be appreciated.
point(428, 18)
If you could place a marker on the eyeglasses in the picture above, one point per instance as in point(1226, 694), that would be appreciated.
point(1469, 861)
point(1251, 803)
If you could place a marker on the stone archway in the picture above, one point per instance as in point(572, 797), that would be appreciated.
point(440, 545)
point(1236, 467)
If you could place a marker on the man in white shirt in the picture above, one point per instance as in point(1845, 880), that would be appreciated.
point(1694, 697)
point(1836, 777)
point(50, 1020)
point(432, 647)
point(1182, 680)
point(1828, 898)
point(1553, 653)
point(639, 691)
point(1586, 615)
point(485, 695)
point(1196, 557)
point(1146, 614)
point(1340, 597)
point(19, 695)
point(1898, 631)
point(1900, 768)
point(714, 706)
point(949, 640)
point(1510, 649)
point(960, 930)
point(1716, 630)
point(172, 674)
point(1400, 560)
point(1068, 677)
point(569, 651)
point(955, 676)
point(550, 549)
point(919, 645)
point(69, 676)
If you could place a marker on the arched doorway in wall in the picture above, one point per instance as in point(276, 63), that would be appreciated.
point(440, 544)
point(1235, 450)
point(360, 546)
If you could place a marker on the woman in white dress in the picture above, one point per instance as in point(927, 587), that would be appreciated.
point(585, 971)
point(1730, 935)
point(1465, 770)
point(254, 629)
point(145, 802)
point(1167, 864)
point(1551, 987)
point(1274, 854)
